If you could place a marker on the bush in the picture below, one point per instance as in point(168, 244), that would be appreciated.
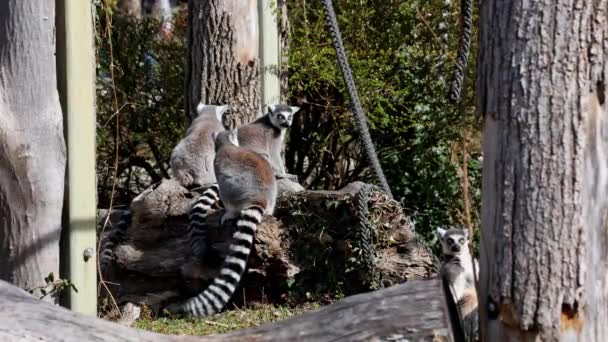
point(401, 64)
point(145, 98)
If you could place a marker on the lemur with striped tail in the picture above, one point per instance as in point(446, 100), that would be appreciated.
point(264, 136)
point(248, 190)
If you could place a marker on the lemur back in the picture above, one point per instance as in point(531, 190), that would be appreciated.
point(266, 135)
point(248, 189)
point(460, 269)
point(192, 159)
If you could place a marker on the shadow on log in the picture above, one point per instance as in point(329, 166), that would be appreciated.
point(414, 311)
point(311, 249)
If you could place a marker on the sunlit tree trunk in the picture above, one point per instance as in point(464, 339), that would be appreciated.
point(223, 57)
point(544, 248)
point(32, 147)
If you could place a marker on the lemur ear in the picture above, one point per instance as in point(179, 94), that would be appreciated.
point(214, 135)
point(440, 233)
point(272, 107)
point(294, 109)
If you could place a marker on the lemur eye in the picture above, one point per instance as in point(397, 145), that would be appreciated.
point(450, 241)
point(281, 117)
point(461, 240)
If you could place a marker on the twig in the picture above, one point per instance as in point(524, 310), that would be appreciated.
point(108, 15)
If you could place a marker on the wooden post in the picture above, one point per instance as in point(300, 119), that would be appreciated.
point(77, 92)
point(269, 52)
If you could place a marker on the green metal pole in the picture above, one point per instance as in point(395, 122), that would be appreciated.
point(76, 74)
point(269, 52)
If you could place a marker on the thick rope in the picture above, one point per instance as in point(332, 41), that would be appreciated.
point(466, 17)
point(363, 234)
point(360, 120)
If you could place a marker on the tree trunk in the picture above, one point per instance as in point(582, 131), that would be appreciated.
point(32, 147)
point(283, 19)
point(544, 242)
point(223, 58)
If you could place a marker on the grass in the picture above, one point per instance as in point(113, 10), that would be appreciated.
point(224, 322)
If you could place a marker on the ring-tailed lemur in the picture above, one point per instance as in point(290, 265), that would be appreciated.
point(117, 235)
point(192, 159)
point(266, 135)
point(248, 190)
point(457, 269)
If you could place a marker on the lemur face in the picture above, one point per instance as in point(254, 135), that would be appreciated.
point(281, 116)
point(453, 241)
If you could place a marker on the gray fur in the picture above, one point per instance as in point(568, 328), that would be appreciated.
point(192, 159)
point(240, 182)
point(266, 135)
point(458, 269)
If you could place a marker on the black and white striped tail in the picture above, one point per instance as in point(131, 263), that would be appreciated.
point(197, 216)
point(114, 237)
point(213, 299)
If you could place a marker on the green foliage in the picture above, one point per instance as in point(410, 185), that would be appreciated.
point(140, 88)
point(53, 287)
point(402, 68)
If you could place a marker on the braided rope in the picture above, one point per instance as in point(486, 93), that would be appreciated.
point(363, 234)
point(360, 121)
point(466, 17)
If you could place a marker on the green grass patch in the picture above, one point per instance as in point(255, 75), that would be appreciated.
point(224, 322)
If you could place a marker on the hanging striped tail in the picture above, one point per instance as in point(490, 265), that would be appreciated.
point(116, 236)
point(213, 299)
point(197, 215)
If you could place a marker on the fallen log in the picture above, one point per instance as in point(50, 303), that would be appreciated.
point(26, 318)
point(414, 311)
point(313, 246)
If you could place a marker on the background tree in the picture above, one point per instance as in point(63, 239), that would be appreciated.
point(223, 58)
point(544, 248)
point(32, 147)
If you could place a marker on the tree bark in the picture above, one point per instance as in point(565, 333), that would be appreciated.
point(32, 147)
point(414, 311)
point(283, 19)
point(544, 247)
point(223, 58)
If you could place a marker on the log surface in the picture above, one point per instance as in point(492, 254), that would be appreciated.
point(413, 311)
